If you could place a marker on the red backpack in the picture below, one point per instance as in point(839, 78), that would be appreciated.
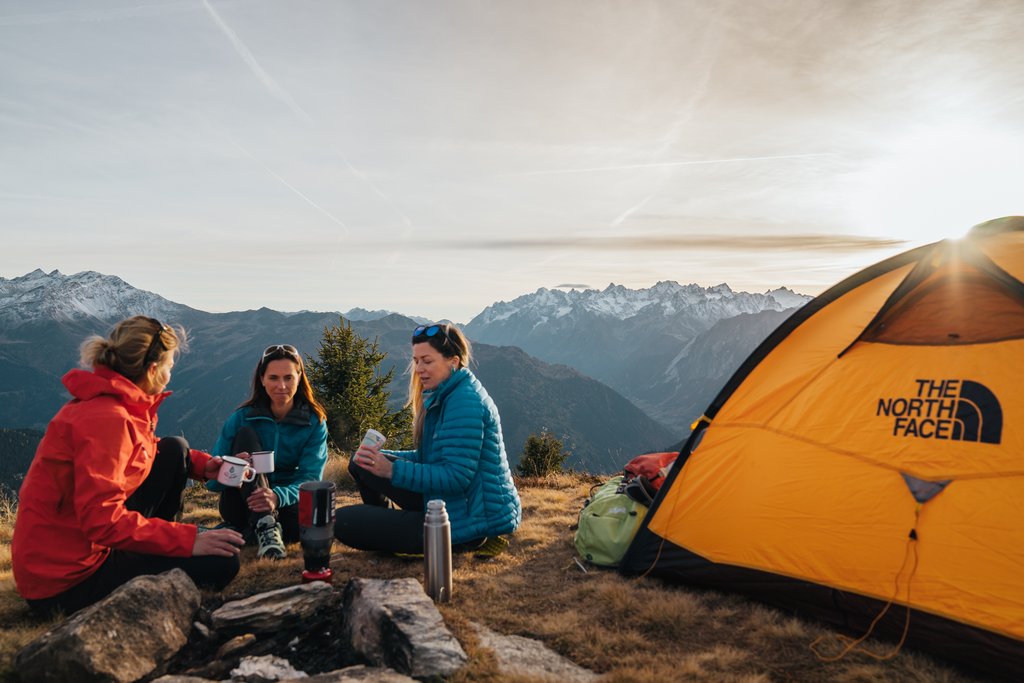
point(652, 466)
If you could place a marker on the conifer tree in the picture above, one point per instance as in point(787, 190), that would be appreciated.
point(347, 381)
point(542, 455)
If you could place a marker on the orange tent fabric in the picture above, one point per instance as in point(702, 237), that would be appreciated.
point(870, 451)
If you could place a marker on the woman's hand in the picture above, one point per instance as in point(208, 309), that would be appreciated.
point(222, 542)
point(371, 459)
point(212, 468)
point(262, 500)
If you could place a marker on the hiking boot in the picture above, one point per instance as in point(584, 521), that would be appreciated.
point(491, 547)
point(269, 543)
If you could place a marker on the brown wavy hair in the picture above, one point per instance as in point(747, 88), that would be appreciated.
point(304, 394)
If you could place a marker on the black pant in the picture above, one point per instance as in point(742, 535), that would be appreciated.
point(372, 525)
point(159, 496)
point(375, 526)
point(233, 506)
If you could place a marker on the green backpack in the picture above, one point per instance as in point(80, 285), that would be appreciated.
point(608, 521)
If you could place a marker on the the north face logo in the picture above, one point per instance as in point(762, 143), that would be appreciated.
point(952, 409)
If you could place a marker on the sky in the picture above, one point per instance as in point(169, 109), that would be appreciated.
point(432, 157)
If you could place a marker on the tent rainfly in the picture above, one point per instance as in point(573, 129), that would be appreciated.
point(865, 465)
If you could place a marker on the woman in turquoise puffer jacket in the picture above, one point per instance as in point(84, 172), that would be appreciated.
point(459, 458)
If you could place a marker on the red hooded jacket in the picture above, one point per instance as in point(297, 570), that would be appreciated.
point(96, 452)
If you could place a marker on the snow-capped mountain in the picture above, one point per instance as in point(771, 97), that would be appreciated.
point(362, 314)
point(615, 301)
point(787, 298)
point(54, 296)
point(634, 340)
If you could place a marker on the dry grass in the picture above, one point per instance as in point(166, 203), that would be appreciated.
point(640, 631)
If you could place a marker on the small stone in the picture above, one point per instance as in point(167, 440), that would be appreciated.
point(268, 668)
point(519, 656)
point(235, 645)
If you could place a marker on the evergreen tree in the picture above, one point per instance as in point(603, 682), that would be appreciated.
point(347, 381)
point(542, 455)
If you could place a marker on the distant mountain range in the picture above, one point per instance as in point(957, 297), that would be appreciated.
point(668, 348)
point(45, 316)
point(361, 314)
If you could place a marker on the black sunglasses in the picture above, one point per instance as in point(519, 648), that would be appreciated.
point(287, 349)
point(157, 339)
point(427, 331)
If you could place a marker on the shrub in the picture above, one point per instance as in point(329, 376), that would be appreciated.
point(542, 455)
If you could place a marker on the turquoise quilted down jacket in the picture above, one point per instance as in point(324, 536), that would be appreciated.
point(461, 460)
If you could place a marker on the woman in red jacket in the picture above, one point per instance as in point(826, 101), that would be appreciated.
point(99, 502)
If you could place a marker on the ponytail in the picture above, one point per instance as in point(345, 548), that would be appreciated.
point(133, 344)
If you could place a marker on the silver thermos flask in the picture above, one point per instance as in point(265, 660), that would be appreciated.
point(437, 552)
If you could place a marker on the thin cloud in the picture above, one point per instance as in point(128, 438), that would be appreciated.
point(662, 164)
point(733, 242)
point(87, 15)
point(633, 209)
point(571, 286)
point(250, 61)
point(291, 187)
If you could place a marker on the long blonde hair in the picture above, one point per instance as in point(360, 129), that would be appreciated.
point(132, 345)
point(450, 342)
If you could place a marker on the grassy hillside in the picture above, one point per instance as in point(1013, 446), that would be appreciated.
point(638, 630)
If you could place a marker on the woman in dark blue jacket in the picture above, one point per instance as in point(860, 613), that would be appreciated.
point(459, 458)
point(283, 416)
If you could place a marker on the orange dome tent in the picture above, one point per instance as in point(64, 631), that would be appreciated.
point(869, 453)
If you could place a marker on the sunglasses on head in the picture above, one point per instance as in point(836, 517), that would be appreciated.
point(424, 332)
point(287, 349)
point(164, 327)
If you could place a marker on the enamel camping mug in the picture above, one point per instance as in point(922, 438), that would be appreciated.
point(263, 461)
point(234, 472)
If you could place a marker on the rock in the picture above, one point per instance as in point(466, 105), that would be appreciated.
point(181, 679)
point(124, 637)
point(357, 674)
point(275, 610)
point(217, 666)
point(202, 630)
point(235, 645)
point(394, 624)
point(529, 658)
point(266, 668)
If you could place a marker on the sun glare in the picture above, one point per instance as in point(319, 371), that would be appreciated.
point(938, 181)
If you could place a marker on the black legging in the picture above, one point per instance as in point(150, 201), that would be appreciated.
point(159, 496)
point(233, 507)
point(373, 526)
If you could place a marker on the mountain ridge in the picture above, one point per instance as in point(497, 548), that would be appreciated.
point(39, 346)
point(88, 294)
point(619, 302)
point(636, 341)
